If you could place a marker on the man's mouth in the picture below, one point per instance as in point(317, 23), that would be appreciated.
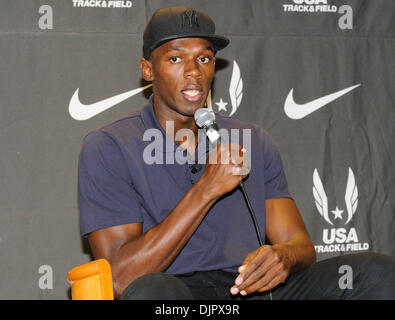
point(192, 95)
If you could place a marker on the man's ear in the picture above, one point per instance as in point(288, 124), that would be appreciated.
point(146, 69)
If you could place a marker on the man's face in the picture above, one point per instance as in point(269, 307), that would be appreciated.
point(182, 72)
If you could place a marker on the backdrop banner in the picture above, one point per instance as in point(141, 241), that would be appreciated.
point(317, 75)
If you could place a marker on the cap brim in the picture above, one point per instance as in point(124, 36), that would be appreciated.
point(219, 42)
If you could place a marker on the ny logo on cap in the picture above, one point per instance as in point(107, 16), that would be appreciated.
point(189, 17)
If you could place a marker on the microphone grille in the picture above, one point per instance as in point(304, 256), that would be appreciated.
point(204, 117)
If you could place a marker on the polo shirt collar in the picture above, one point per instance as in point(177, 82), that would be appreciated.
point(151, 122)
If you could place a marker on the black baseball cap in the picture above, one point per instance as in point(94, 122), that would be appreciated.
point(180, 22)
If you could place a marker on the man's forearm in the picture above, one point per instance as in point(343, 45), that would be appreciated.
point(302, 251)
point(156, 249)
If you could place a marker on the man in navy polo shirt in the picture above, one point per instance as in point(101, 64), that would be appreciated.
point(174, 230)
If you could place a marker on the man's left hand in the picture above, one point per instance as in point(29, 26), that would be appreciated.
point(264, 269)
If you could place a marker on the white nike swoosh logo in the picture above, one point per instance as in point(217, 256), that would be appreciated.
point(80, 111)
point(299, 111)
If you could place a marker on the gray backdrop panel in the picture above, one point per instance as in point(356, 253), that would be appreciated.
point(98, 49)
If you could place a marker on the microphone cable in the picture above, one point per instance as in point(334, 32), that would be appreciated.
point(258, 232)
point(252, 213)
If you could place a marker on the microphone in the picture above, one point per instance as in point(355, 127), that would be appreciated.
point(205, 118)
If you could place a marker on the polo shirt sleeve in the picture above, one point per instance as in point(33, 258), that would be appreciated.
point(106, 195)
point(276, 185)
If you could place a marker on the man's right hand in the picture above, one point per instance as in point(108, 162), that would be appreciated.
point(226, 166)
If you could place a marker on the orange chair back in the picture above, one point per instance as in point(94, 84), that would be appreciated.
point(91, 281)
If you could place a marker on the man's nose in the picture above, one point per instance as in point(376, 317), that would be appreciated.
point(192, 69)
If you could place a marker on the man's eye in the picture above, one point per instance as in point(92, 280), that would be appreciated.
point(205, 59)
point(175, 59)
